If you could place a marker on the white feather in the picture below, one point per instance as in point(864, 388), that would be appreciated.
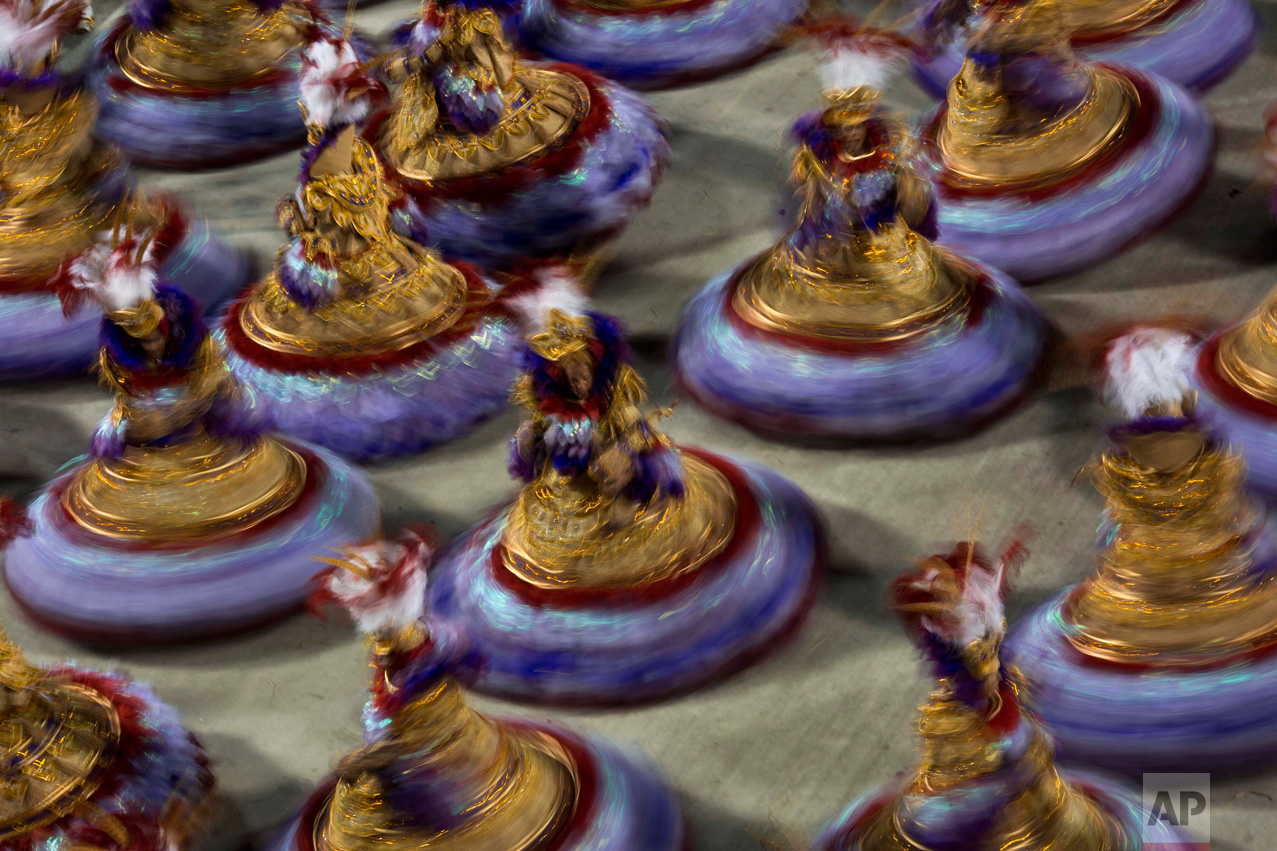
point(375, 609)
point(559, 291)
point(1148, 367)
point(28, 32)
point(846, 68)
point(325, 65)
point(977, 614)
point(115, 278)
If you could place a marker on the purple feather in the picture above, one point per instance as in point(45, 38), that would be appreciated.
point(943, 19)
point(231, 419)
point(148, 15)
point(469, 106)
point(108, 439)
point(520, 465)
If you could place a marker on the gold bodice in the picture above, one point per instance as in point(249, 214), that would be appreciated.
point(48, 165)
point(959, 748)
point(545, 108)
point(518, 787)
point(563, 532)
point(1247, 354)
point(988, 139)
point(1175, 585)
point(205, 44)
point(876, 286)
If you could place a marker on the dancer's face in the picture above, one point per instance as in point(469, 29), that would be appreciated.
point(579, 372)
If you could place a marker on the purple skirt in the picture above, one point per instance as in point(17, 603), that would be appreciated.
point(1114, 796)
point(91, 588)
point(38, 341)
point(392, 411)
point(613, 179)
point(954, 378)
point(210, 130)
point(1134, 721)
point(1198, 46)
point(659, 49)
point(628, 805)
point(636, 649)
point(1145, 183)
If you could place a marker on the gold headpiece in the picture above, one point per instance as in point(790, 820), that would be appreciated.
point(564, 335)
point(853, 104)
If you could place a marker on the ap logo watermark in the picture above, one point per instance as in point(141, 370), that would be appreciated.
point(1176, 812)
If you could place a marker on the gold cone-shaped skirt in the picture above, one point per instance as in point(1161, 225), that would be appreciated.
point(390, 310)
point(57, 748)
point(196, 488)
point(987, 140)
point(959, 747)
point(563, 533)
point(874, 287)
point(1247, 355)
point(1176, 586)
point(517, 787)
point(547, 108)
point(1099, 18)
point(205, 44)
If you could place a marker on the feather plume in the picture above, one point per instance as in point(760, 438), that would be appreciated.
point(118, 273)
point(854, 56)
point(558, 290)
point(381, 584)
point(335, 85)
point(851, 65)
point(1147, 368)
point(30, 29)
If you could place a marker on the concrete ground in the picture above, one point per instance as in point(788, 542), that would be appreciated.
point(766, 758)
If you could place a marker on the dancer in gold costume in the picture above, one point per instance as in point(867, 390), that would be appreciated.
point(664, 567)
point(60, 189)
point(361, 340)
point(94, 760)
point(204, 83)
point(1181, 607)
point(434, 774)
point(182, 498)
point(855, 325)
point(1237, 376)
point(987, 778)
point(1045, 163)
point(502, 159)
point(1193, 43)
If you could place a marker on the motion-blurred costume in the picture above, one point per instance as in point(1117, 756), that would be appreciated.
point(94, 760)
point(434, 775)
point(855, 325)
point(360, 340)
point(60, 190)
point(627, 569)
point(1192, 43)
point(657, 44)
point(204, 83)
point(1236, 376)
point(1045, 164)
point(988, 777)
point(501, 159)
point(184, 520)
point(1163, 658)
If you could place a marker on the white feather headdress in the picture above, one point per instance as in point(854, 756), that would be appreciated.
point(334, 84)
point(382, 585)
point(558, 290)
point(117, 272)
point(1148, 367)
point(30, 29)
